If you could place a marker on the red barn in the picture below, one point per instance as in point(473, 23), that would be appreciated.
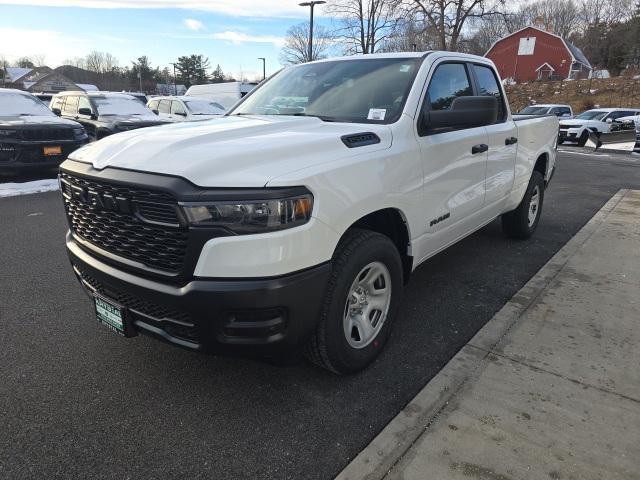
point(536, 54)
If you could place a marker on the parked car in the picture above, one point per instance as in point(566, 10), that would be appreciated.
point(185, 109)
point(630, 122)
point(561, 111)
point(596, 120)
point(226, 94)
point(31, 136)
point(104, 113)
point(284, 226)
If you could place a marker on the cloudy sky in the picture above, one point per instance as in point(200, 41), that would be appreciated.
point(232, 33)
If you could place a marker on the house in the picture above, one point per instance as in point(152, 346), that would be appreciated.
point(533, 53)
point(39, 80)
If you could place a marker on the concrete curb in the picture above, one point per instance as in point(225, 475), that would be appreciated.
point(389, 446)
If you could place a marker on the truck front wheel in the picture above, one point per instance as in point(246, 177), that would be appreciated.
point(359, 305)
point(523, 221)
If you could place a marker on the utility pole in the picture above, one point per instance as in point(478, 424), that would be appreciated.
point(139, 74)
point(311, 5)
point(175, 79)
point(264, 67)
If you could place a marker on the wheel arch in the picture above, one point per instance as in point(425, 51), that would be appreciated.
point(392, 223)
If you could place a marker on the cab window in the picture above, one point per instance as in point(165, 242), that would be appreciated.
point(449, 81)
point(57, 103)
point(84, 102)
point(165, 106)
point(177, 108)
point(488, 85)
point(153, 104)
point(71, 106)
point(616, 115)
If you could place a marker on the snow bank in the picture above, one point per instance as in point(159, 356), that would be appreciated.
point(38, 186)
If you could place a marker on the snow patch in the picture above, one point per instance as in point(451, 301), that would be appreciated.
point(26, 188)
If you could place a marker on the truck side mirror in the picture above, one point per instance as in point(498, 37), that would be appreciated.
point(85, 111)
point(465, 112)
point(57, 111)
point(609, 120)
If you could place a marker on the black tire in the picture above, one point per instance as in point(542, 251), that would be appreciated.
point(582, 141)
point(516, 223)
point(328, 346)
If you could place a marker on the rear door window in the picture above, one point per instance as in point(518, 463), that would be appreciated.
point(488, 85)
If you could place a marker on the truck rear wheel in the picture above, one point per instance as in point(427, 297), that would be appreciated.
point(359, 305)
point(523, 221)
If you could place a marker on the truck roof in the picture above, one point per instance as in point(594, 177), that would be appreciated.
point(373, 56)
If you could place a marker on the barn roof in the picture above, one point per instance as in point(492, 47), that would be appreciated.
point(575, 52)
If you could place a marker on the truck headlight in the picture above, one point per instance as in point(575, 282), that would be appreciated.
point(246, 217)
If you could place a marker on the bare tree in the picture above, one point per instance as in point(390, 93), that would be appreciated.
point(296, 45)
point(447, 18)
point(101, 62)
point(364, 25)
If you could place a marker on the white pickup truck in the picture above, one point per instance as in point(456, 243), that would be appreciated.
point(293, 223)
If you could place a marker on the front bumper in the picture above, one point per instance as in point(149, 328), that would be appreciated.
point(568, 134)
point(263, 317)
point(24, 156)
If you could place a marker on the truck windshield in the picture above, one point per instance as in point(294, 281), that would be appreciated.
point(120, 106)
point(534, 110)
point(18, 104)
point(362, 91)
point(592, 115)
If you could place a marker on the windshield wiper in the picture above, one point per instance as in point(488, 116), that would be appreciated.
point(324, 118)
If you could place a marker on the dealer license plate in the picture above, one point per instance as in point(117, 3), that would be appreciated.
point(111, 315)
point(49, 151)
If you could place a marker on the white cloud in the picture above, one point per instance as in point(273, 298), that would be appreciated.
point(246, 8)
point(27, 42)
point(193, 24)
point(238, 38)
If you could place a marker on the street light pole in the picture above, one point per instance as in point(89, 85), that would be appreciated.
point(311, 5)
point(264, 67)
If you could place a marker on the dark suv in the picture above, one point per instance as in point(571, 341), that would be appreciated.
point(32, 137)
point(104, 113)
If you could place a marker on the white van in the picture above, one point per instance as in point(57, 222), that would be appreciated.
point(226, 94)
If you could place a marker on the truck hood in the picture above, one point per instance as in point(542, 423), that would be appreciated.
point(133, 119)
point(41, 120)
point(232, 151)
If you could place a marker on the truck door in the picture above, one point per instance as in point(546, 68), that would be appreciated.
point(454, 160)
point(503, 138)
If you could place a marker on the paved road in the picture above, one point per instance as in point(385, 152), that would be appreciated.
point(79, 402)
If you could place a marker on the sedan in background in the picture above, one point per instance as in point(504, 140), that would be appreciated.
point(185, 108)
point(560, 111)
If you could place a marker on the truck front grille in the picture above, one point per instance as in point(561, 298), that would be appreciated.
point(47, 134)
point(136, 224)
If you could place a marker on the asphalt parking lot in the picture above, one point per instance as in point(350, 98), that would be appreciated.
point(80, 402)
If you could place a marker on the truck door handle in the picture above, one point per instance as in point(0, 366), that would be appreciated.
point(480, 148)
point(510, 141)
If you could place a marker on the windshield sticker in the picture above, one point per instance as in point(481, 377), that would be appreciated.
point(377, 113)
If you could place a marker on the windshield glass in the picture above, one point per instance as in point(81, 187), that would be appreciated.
point(592, 115)
point(199, 107)
point(534, 110)
point(18, 104)
point(120, 106)
point(364, 91)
